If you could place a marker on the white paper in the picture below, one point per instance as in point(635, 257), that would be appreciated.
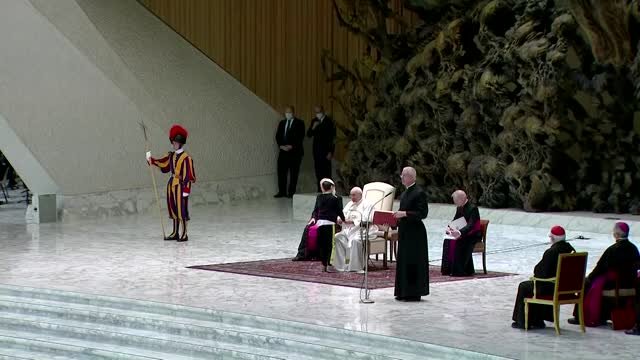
point(458, 223)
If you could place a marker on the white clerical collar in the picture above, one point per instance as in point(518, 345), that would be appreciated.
point(180, 151)
point(411, 185)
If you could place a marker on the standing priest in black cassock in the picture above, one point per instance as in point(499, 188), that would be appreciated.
point(412, 267)
point(289, 136)
point(545, 269)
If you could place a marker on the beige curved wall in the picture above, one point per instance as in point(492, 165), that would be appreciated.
point(79, 75)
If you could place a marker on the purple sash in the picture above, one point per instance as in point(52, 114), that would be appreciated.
point(593, 301)
point(448, 255)
point(452, 250)
point(312, 239)
point(476, 228)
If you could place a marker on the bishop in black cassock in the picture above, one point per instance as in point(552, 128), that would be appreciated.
point(412, 267)
point(545, 269)
point(621, 258)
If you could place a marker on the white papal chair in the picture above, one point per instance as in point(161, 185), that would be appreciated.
point(373, 193)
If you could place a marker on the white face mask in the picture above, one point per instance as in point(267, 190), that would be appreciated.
point(319, 116)
point(289, 116)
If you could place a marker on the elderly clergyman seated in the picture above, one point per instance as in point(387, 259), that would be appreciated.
point(349, 254)
point(545, 269)
point(467, 236)
point(621, 259)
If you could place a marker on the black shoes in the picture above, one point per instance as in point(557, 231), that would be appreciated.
point(279, 195)
point(176, 238)
point(297, 258)
point(409, 298)
point(634, 331)
point(534, 326)
point(573, 321)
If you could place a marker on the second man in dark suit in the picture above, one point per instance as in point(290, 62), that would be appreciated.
point(323, 132)
point(289, 136)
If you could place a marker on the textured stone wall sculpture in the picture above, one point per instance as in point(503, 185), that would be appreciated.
point(531, 104)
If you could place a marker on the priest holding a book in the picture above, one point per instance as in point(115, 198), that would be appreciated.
point(463, 234)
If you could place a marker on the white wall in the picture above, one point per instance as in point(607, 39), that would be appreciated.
point(79, 75)
point(13, 148)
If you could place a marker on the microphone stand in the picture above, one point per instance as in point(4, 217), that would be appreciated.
point(366, 299)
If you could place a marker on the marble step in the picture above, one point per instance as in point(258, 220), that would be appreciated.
point(21, 355)
point(391, 345)
point(134, 342)
point(287, 339)
point(203, 334)
point(8, 354)
point(12, 347)
point(44, 346)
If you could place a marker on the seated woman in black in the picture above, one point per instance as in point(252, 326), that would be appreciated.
point(325, 214)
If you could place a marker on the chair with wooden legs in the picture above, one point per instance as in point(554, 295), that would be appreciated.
point(569, 288)
point(481, 246)
point(375, 193)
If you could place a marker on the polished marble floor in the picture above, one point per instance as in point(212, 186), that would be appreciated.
point(126, 257)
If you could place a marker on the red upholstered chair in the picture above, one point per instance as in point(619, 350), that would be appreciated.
point(625, 283)
point(621, 298)
point(569, 288)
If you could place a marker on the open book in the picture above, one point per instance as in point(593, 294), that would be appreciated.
point(457, 224)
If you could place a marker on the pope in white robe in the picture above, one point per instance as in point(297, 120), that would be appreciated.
point(349, 251)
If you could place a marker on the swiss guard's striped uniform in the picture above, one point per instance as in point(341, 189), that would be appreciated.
point(180, 165)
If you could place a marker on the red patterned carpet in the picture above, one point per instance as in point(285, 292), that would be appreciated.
point(311, 271)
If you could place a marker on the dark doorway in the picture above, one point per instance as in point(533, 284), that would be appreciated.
point(13, 191)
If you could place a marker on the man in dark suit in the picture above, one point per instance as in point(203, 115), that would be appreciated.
point(412, 266)
point(545, 269)
point(467, 236)
point(323, 132)
point(289, 136)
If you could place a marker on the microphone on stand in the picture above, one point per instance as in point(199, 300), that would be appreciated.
point(366, 299)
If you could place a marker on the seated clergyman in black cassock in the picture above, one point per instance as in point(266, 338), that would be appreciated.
point(546, 268)
point(622, 259)
point(466, 237)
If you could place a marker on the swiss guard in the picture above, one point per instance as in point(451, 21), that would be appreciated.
point(180, 165)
